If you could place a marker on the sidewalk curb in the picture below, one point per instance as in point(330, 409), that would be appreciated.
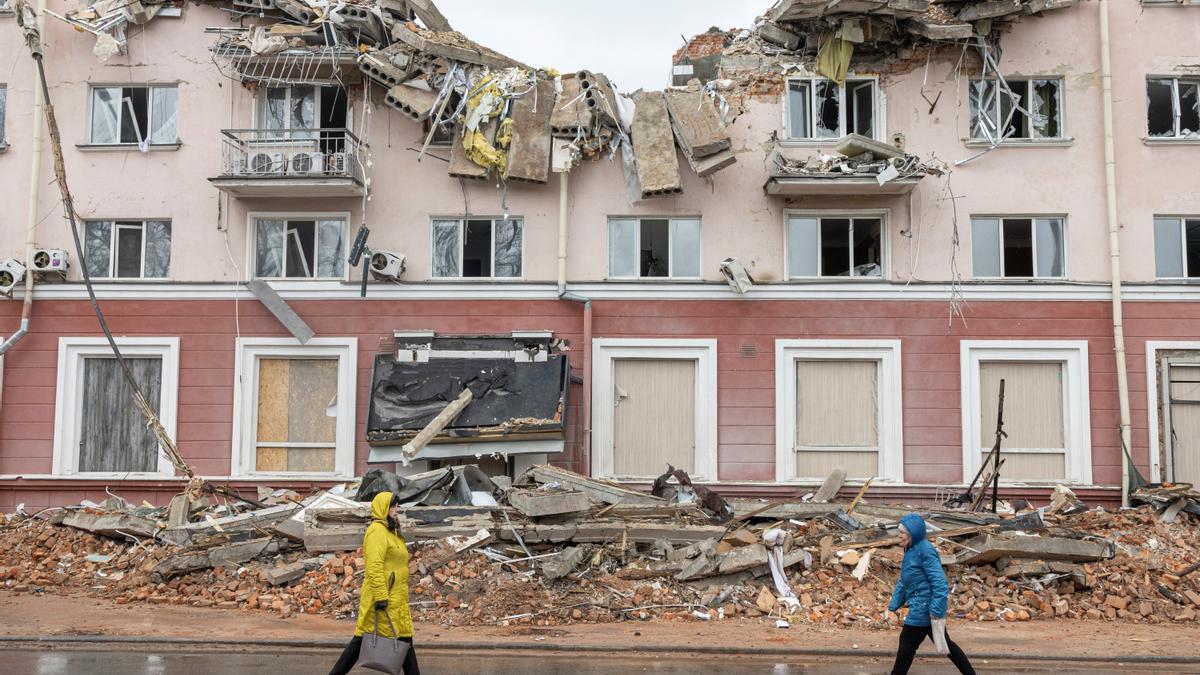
point(545, 646)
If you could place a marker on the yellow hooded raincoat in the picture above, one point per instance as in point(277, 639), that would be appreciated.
point(386, 575)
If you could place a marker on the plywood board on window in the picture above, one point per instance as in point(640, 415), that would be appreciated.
point(313, 460)
point(272, 400)
point(1030, 466)
point(271, 459)
point(654, 420)
point(837, 404)
point(1033, 403)
point(818, 463)
point(1185, 423)
point(312, 388)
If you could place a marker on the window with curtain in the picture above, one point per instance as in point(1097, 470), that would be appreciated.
point(134, 115)
point(477, 248)
point(127, 249)
point(295, 248)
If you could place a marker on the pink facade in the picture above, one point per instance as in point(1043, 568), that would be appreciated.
point(201, 303)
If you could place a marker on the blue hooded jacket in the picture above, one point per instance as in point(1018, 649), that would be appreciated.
point(922, 582)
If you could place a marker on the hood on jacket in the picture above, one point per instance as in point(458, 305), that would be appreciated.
point(380, 505)
point(914, 524)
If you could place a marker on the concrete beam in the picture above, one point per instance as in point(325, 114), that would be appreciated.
point(529, 151)
point(654, 146)
point(696, 121)
point(535, 503)
point(570, 110)
point(990, 547)
point(597, 490)
point(989, 9)
point(451, 45)
point(414, 102)
point(940, 31)
point(282, 311)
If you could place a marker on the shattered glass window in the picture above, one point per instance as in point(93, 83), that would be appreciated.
point(158, 249)
point(508, 247)
point(134, 115)
point(1049, 247)
point(331, 257)
point(3, 108)
point(447, 248)
point(1013, 107)
point(127, 249)
point(835, 247)
point(1028, 109)
point(1160, 104)
point(477, 249)
point(299, 249)
point(828, 110)
point(860, 107)
point(866, 245)
point(97, 248)
point(1189, 109)
point(1045, 103)
point(268, 248)
point(983, 105)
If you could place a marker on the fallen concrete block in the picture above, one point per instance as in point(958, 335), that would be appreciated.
point(564, 563)
point(696, 121)
point(414, 102)
point(535, 504)
point(990, 547)
point(381, 70)
point(742, 558)
point(113, 525)
point(191, 532)
point(597, 490)
point(989, 9)
point(277, 576)
point(713, 163)
point(529, 150)
point(940, 31)
point(852, 145)
point(242, 551)
point(654, 146)
point(450, 45)
point(570, 111)
point(460, 166)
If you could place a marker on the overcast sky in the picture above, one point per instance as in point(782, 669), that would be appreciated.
point(630, 41)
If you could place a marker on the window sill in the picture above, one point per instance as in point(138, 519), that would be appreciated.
point(811, 142)
point(469, 280)
point(1177, 281)
point(840, 280)
point(129, 280)
point(1019, 280)
point(126, 147)
point(654, 280)
point(1171, 141)
point(1024, 143)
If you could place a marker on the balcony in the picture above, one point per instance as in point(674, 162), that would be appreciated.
point(291, 163)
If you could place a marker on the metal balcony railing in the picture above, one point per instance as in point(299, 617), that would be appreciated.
point(292, 153)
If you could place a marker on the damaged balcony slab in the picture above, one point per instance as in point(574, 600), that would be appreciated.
point(836, 184)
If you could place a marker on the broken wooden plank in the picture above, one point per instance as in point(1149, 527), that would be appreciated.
point(696, 122)
point(536, 503)
point(990, 547)
point(654, 146)
point(460, 166)
point(597, 490)
point(529, 150)
point(570, 111)
point(281, 310)
point(439, 422)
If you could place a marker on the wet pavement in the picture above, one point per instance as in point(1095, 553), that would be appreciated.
point(133, 661)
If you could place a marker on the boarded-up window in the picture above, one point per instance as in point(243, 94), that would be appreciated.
point(296, 415)
point(837, 418)
point(1035, 448)
point(654, 416)
point(113, 435)
point(1184, 419)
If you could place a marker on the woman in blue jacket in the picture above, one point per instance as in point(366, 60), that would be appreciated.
point(922, 585)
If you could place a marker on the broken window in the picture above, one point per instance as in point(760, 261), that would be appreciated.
point(3, 109)
point(654, 247)
point(819, 108)
point(1176, 247)
point(299, 249)
point(1018, 247)
point(296, 415)
point(837, 417)
point(141, 116)
point(1173, 107)
point(834, 247)
point(1034, 420)
point(478, 248)
point(126, 249)
point(1032, 111)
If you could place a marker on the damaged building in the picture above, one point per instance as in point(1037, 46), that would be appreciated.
point(328, 240)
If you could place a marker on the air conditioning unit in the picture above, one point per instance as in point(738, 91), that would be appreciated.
point(307, 163)
point(339, 162)
point(266, 162)
point(49, 261)
point(11, 273)
point(386, 265)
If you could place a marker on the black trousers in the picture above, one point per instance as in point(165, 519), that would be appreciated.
point(911, 637)
point(349, 657)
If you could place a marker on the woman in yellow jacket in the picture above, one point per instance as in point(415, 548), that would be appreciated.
point(384, 587)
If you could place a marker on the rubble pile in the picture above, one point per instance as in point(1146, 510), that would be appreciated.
point(860, 156)
point(561, 548)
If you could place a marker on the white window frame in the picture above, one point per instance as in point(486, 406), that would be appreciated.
point(1175, 137)
point(68, 410)
point(637, 243)
point(1077, 433)
point(890, 397)
point(1033, 218)
point(702, 351)
point(4, 98)
point(462, 241)
point(1155, 395)
point(884, 250)
point(245, 400)
point(258, 107)
point(252, 219)
point(1181, 221)
point(146, 133)
point(879, 101)
point(1063, 136)
point(126, 223)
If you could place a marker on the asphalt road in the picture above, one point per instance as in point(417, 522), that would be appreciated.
point(134, 661)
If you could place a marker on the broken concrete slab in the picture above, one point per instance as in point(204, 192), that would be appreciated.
point(111, 524)
point(654, 146)
point(416, 103)
point(564, 563)
point(529, 150)
point(460, 166)
point(186, 534)
point(779, 35)
point(608, 530)
point(829, 489)
point(598, 97)
point(713, 163)
point(536, 503)
point(696, 121)
point(281, 310)
point(597, 490)
point(742, 558)
point(451, 45)
point(278, 576)
point(990, 547)
point(852, 145)
point(988, 9)
point(178, 510)
point(242, 551)
point(382, 70)
point(570, 112)
point(938, 31)
point(429, 15)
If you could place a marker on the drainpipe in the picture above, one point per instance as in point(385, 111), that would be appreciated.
point(1114, 248)
point(563, 294)
point(34, 183)
point(562, 232)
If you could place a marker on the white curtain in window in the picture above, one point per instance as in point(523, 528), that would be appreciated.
point(97, 248)
point(331, 257)
point(508, 236)
point(447, 248)
point(1033, 404)
point(158, 249)
point(106, 115)
point(268, 248)
point(164, 103)
point(837, 404)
